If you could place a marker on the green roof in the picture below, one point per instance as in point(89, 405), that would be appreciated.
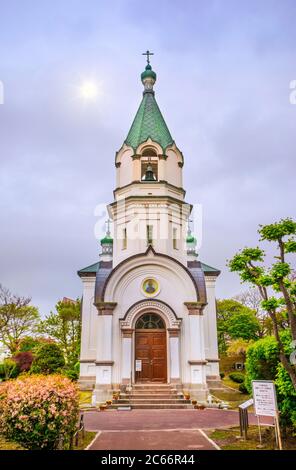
point(208, 269)
point(149, 122)
point(94, 267)
point(89, 269)
point(107, 240)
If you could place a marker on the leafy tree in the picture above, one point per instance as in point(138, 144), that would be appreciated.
point(238, 347)
point(275, 284)
point(234, 321)
point(17, 319)
point(64, 326)
point(243, 325)
point(49, 359)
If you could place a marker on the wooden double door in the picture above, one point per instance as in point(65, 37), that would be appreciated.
point(152, 351)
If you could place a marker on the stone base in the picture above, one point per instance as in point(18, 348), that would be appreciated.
point(214, 381)
point(197, 392)
point(102, 393)
point(86, 383)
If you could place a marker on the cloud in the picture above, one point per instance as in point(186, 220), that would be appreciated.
point(223, 86)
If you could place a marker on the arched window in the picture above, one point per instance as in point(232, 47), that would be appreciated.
point(150, 321)
point(149, 161)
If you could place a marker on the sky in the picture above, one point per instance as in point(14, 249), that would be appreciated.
point(224, 71)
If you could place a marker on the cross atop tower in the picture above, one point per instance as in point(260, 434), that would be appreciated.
point(108, 227)
point(147, 54)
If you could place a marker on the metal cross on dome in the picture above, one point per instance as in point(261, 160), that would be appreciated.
point(147, 54)
point(108, 226)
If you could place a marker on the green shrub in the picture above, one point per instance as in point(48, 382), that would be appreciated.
point(73, 372)
point(222, 375)
point(39, 411)
point(237, 377)
point(242, 388)
point(263, 363)
point(9, 369)
point(49, 358)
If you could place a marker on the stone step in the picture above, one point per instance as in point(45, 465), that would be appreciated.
point(149, 406)
point(153, 385)
point(150, 395)
point(152, 401)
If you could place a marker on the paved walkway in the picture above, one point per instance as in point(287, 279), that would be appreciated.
point(159, 429)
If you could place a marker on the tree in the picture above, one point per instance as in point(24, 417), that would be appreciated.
point(243, 325)
point(239, 347)
point(49, 359)
point(17, 318)
point(234, 321)
point(275, 284)
point(64, 326)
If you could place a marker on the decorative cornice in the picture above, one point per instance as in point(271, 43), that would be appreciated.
point(197, 362)
point(194, 308)
point(117, 164)
point(136, 157)
point(173, 332)
point(162, 157)
point(127, 333)
point(169, 185)
point(105, 308)
point(104, 363)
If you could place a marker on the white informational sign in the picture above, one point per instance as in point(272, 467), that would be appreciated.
point(138, 365)
point(264, 395)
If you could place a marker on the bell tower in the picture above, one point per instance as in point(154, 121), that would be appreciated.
point(149, 208)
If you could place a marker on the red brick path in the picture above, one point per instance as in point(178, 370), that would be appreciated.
point(158, 429)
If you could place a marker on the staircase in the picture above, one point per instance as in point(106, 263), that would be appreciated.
point(152, 396)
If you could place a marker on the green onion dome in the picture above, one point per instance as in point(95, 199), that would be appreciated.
point(148, 73)
point(190, 239)
point(107, 240)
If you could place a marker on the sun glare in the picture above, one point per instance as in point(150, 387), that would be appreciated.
point(89, 90)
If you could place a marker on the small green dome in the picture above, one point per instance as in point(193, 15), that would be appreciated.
point(148, 73)
point(190, 239)
point(107, 240)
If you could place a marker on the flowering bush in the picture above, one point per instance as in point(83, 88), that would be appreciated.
point(38, 411)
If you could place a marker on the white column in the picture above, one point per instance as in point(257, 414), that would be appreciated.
point(104, 352)
point(104, 343)
point(126, 358)
point(174, 355)
point(197, 353)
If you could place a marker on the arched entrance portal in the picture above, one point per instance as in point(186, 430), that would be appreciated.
point(150, 349)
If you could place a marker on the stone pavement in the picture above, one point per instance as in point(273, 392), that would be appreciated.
point(159, 429)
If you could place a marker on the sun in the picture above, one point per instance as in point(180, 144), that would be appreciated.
point(89, 90)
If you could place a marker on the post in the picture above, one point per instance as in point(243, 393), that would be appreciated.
point(278, 431)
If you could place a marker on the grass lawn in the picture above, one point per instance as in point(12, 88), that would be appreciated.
point(88, 437)
point(9, 445)
point(82, 443)
point(227, 439)
point(85, 397)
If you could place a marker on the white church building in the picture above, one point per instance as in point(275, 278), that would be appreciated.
point(149, 309)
